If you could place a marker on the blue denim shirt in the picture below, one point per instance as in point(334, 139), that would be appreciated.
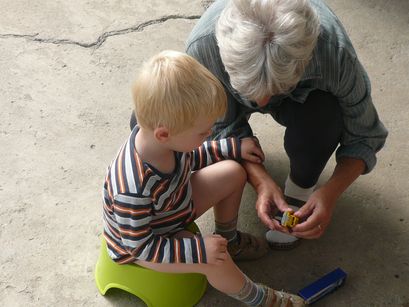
point(334, 68)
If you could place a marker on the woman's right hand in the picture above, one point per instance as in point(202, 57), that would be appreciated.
point(270, 198)
point(216, 249)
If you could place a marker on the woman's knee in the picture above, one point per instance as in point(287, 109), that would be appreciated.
point(318, 124)
point(324, 114)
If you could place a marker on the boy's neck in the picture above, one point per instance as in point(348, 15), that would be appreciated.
point(153, 152)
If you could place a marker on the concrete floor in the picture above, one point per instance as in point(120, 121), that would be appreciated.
point(65, 100)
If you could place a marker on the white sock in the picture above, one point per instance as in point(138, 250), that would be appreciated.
point(294, 191)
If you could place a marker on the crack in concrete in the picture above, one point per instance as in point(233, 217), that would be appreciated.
point(103, 37)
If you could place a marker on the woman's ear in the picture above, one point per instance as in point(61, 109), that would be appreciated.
point(161, 134)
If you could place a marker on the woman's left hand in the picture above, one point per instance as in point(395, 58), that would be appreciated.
point(317, 212)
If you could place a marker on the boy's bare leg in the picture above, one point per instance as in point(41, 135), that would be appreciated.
point(220, 186)
point(225, 277)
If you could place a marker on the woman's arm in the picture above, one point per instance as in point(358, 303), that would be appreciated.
point(320, 206)
point(269, 194)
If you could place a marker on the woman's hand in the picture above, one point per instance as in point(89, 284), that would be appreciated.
point(251, 150)
point(319, 207)
point(318, 213)
point(216, 249)
point(270, 199)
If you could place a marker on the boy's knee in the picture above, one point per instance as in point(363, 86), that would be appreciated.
point(237, 171)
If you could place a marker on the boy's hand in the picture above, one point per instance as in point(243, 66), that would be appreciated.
point(251, 150)
point(216, 249)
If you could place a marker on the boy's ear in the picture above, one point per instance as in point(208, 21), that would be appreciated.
point(161, 134)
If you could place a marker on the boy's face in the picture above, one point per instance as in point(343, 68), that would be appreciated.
point(191, 138)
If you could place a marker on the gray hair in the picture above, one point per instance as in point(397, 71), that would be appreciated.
point(266, 44)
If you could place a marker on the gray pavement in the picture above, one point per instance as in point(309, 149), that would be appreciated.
point(67, 67)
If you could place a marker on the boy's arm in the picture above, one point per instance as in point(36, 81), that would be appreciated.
point(132, 225)
point(214, 151)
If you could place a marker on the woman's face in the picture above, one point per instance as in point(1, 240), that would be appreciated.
point(263, 102)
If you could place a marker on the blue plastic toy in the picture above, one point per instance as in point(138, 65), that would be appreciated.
point(323, 286)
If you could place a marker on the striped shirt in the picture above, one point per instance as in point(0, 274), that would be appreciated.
point(143, 207)
point(334, 68)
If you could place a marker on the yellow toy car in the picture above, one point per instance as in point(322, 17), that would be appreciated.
point(288, 219)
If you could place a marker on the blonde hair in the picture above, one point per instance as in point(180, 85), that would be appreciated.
point(266, 44)
point(173, 90)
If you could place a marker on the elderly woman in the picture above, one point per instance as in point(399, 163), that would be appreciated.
point(293, 60)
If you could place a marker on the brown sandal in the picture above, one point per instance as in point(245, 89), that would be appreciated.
point(247, 247)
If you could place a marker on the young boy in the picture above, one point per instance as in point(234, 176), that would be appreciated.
point(164, 177)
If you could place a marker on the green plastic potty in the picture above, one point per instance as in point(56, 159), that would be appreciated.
point(156, 289)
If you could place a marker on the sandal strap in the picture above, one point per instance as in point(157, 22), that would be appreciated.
point(277, 298)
